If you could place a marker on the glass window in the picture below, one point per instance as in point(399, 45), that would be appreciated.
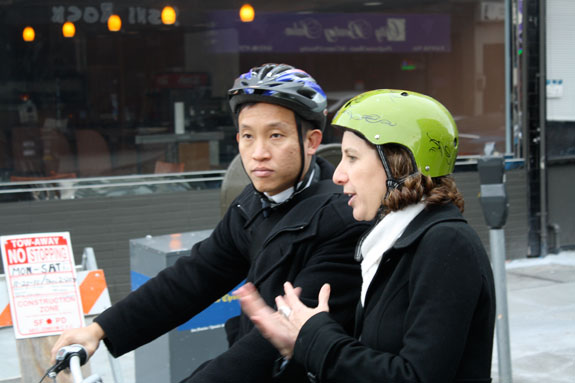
point(150, 98)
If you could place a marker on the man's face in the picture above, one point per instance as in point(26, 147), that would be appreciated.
point(269, 148)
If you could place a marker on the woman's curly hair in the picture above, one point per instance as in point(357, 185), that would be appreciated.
point(436, 191)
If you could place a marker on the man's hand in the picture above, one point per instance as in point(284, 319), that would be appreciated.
point(280, 327)
point(89, 337)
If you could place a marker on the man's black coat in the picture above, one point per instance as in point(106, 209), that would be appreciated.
point(312, 242)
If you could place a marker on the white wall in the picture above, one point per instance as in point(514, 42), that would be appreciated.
point(561, 60)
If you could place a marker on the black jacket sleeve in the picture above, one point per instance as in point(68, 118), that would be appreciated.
point(177, 293)
point(445, 282)
point(252, 358)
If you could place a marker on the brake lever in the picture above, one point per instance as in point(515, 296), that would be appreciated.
point(63, 358)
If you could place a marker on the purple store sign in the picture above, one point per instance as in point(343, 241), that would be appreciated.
point(335, 32)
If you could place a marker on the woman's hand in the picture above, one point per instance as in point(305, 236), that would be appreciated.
point(280, 327)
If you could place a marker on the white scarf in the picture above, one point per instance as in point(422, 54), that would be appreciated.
point(381, 238)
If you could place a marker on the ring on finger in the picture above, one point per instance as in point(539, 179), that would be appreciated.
point(285, 311)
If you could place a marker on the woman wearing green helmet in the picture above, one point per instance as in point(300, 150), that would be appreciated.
point(427, 305)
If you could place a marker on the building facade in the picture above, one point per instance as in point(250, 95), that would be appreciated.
point(114, 121)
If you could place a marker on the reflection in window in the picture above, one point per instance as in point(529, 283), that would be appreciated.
point(105, 103)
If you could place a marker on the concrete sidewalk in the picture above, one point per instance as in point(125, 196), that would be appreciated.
point(541, 298)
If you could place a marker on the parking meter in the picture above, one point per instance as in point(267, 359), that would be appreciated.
point(493, 195)
point(493, 200)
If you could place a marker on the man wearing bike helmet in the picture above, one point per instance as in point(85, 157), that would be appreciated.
point(290, 224)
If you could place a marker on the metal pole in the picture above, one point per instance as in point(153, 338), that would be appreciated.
point(497, 246)
point(542, 125)
point(89, 259)
point(116, 369)
point(508, 98)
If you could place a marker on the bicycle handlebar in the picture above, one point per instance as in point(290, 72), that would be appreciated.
point(75, 363)
point(72, 356)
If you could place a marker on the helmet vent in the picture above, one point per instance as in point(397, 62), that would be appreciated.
point(306, 93)
point(266, 71)
point(404, 94)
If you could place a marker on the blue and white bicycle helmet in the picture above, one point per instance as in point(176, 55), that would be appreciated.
point(283, 85)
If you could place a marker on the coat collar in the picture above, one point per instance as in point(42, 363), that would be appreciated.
point(250, 203)
point(427, 218)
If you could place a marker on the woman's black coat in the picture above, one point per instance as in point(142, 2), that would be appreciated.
point(428, 317)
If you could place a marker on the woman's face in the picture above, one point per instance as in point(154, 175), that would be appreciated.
point(362, 176)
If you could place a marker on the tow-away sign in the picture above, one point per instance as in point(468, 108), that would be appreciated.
point(41, 280)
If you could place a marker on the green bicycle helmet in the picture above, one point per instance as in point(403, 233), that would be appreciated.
point(416, 121)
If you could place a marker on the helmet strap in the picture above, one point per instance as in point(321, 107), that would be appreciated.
point(391, 183)
point(300, 133)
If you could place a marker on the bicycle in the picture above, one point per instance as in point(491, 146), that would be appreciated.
point(71, 357)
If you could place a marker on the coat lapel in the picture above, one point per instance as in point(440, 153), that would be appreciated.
point(393, 271)
point(296, 218)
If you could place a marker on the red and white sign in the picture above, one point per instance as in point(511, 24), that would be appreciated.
point(41, 281)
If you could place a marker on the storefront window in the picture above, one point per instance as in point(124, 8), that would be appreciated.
point(150, 97)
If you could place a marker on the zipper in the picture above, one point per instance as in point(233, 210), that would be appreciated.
point(285, 229)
